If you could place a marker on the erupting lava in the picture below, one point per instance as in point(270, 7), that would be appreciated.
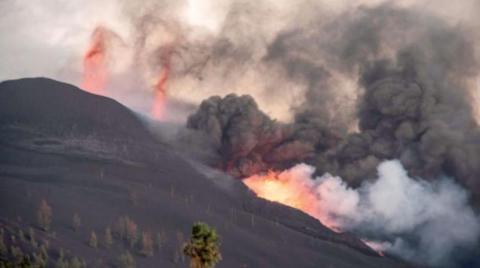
point(94, 63)
point(277, 187)
point(288, 189)
point(158, 108)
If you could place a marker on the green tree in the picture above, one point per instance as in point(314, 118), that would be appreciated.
point(93, 242)
point(203, 247)
point(44, 215)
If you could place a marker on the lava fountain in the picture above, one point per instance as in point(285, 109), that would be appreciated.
point(160, 88)
point(94, 63)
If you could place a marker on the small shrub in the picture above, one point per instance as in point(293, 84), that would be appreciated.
point(147, 244)
point(75, 263)
point(44, 215)
point(31, 237)
point(161, 240)
point(38, 260)
point(44, 252)
point(108, 239)
point(61, 262)
point(126, 260)
point(76, 222)
point(3, 247)
point(21, 236)
point(128, 230)
point(132, 232)
point(92, 242)
point(17, 254)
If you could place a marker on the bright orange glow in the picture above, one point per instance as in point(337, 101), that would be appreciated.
point(94, 63)
point(158, 108)
point(279, 189)
point(285, 188)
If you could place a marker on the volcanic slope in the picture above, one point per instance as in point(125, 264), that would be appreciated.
point(90, 156)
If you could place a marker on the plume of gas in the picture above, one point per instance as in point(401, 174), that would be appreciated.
point(412, 218)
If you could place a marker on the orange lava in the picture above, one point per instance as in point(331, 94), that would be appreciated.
point(94, 63)
point(158, 108)
point(294, 190)
point(282, 188)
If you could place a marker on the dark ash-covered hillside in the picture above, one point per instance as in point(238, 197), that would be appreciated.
point(90, 156)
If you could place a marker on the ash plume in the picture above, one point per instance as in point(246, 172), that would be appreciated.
point(413, 78)
point(247, 141)
point(414, 101)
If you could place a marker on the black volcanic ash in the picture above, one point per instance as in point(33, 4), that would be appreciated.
point(414, 104)
point(246, 141)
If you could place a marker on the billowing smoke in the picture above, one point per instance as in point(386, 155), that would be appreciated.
point(409, 97)
point(429, 222)
point(338, 86)
point(414, 74)
point(246, 141)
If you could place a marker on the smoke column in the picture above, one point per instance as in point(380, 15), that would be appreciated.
point(429, 222)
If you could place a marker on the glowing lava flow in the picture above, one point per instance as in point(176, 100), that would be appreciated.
point(289, 189)
point(279, 188)
point(158, 108)
point(295, 188)
point(94, 63)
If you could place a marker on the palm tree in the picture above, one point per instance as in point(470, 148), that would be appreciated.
point(203, 247)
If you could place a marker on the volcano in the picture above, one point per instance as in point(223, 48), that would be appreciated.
point(94, 162)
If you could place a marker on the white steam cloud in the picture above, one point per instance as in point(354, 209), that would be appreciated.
point(415, 219)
